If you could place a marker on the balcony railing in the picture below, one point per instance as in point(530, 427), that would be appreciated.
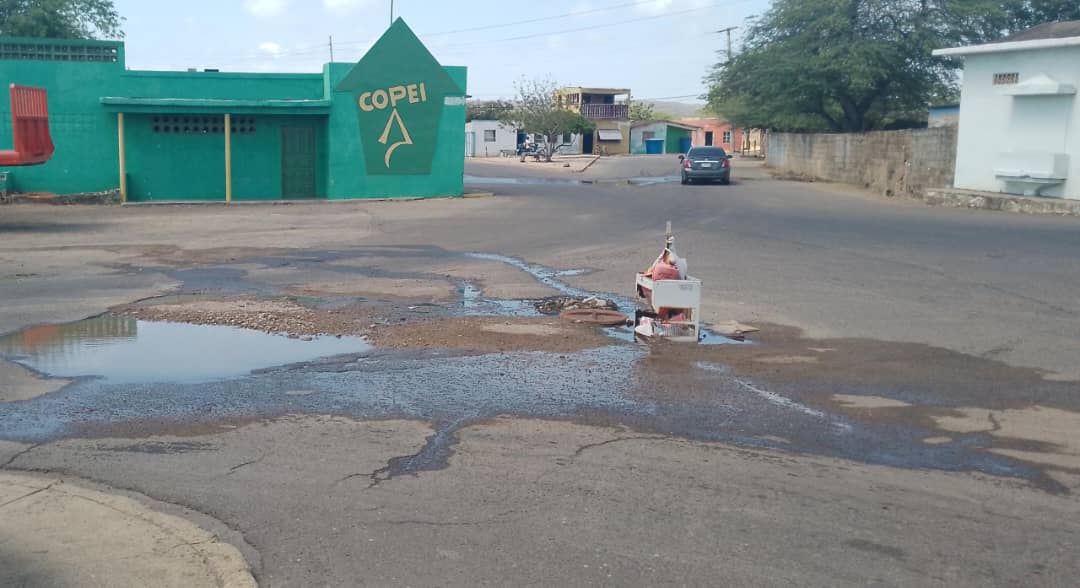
point(605, 111)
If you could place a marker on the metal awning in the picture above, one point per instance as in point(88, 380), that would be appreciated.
point(609, 135)
point(215, 106)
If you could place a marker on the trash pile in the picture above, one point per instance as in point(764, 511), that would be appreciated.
point(672, 298)
point(560, 304)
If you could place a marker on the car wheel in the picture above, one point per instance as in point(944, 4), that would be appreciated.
point(725, 181)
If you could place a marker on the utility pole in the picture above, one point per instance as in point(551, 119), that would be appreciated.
point(331, 48)
point(391, 11)
point(728, 31)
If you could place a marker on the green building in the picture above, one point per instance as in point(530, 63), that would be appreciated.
point(391, 125)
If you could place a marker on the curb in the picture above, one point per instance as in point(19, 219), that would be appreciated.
point(955, 198)
point(41, 503)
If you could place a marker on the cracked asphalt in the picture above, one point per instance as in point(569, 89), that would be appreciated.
point(908, 414)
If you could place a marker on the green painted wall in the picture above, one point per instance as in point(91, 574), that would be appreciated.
point(347, 173)
point(671, 145)
point(191, 166)
point(84, 134)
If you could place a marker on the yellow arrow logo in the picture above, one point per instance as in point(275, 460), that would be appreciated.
point(406, 139)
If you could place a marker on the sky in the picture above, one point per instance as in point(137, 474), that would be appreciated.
point(660, 49)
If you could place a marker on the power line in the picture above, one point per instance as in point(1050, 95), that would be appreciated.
point(312, 49)
point(588, 28)
point(541, 19)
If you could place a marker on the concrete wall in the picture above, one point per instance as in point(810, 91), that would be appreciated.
point(998, 130)
point(505, 138)
point(716, 126)
point(658, 129)
point(892, 162)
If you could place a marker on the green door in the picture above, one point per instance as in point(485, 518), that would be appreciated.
point(298, 162)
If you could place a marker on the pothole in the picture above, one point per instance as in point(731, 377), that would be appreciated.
point(124, 350)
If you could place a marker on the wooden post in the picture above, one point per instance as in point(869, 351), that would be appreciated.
point(228, 158)
point(123, 161)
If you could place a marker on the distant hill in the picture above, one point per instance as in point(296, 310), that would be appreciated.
point(679, 109)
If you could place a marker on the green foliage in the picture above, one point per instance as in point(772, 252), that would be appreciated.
point(641, 111)
point(64, 19)
point(857, 65)
point(646, 111)
point(487, 109)
point(537, 110)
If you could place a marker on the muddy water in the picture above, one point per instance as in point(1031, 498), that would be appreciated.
point(145, 379)
point(123, 350)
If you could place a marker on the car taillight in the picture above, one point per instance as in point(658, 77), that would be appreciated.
point(725, 163)
point(686, 163)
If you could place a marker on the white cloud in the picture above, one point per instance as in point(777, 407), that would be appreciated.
point(264, 8)
point(654, 6)
point(271, 48)
point(343, 6)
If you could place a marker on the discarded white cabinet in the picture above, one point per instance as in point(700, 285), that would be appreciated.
point(679, 297)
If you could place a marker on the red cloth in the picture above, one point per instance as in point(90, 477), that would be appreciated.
point(664, 271)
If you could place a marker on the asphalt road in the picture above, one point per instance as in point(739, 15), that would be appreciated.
point(909, 414)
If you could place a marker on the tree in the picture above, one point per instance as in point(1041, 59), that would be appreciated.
point(64, 19)
point(487, 109)
point(856, 65)
point(646, 111)
point(641, 111)
point(537, 110)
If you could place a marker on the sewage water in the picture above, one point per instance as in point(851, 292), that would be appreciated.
point(124, 350)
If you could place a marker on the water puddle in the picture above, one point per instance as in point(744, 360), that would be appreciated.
point(124, 350)
point(652, 181)
point(500, 181)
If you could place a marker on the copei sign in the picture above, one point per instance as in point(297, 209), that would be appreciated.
point(399, 90)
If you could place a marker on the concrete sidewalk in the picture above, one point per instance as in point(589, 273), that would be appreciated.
point(56, 533)
point(958, 198)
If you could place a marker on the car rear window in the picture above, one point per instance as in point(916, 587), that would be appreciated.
point(707, 152)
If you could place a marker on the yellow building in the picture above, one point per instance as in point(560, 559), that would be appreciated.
point(609, 110)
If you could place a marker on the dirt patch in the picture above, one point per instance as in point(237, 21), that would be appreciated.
point(490, 334)
point(867, 402)
point(787, 359)
point(18, 383)
point(271, 316)
point(540, 330)
point(920, 374)
point(405, 288)
point(1037, 434)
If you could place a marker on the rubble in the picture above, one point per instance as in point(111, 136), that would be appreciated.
point(554, 305)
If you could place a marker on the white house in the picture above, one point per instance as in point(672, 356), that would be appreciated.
point(1019, 128)
point(489, 138)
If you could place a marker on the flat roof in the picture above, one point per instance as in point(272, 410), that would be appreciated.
point(669, 123)
point(1044, 36)
point(596, 90)
point(131, 104)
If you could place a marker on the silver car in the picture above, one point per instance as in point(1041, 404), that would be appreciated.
point(707, 164)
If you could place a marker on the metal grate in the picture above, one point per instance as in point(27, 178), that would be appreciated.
point(202, 124)
point(1005, 79)
point(49, 52)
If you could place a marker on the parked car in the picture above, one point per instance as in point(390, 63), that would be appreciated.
point(707, 164)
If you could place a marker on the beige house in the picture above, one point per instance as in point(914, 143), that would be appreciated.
point(609, 110)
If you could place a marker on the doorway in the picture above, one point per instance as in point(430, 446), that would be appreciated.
point(298, 162)
point(708, 138)
point(587, 143)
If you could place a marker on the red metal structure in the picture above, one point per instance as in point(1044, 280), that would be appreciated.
point(30, 128)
